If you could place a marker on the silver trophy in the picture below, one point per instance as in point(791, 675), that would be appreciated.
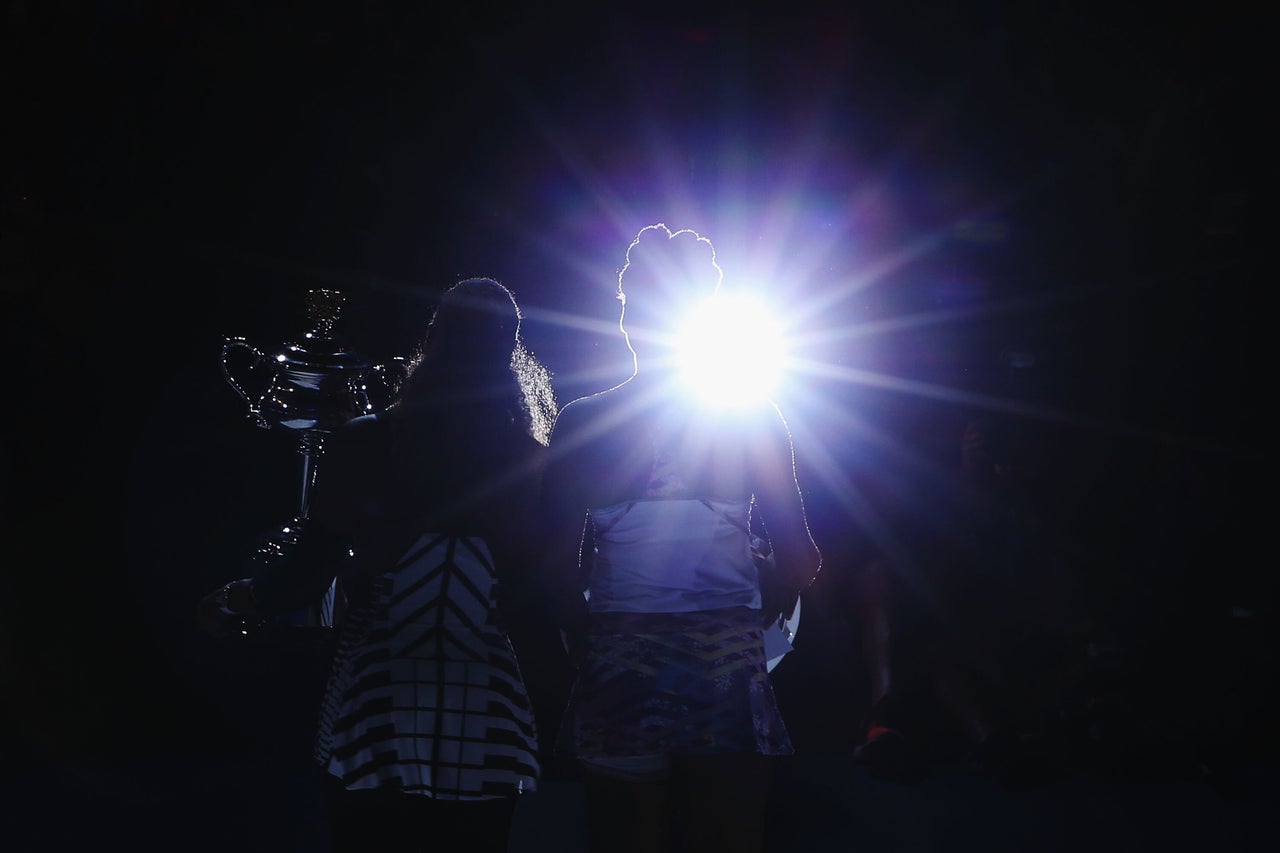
point(310, 386)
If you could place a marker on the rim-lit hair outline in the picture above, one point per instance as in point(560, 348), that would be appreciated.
point(518, 376)
point(621, 294)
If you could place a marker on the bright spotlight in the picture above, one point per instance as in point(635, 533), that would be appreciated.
point(730, 351)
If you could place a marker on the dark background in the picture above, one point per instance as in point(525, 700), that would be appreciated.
point(1087, 182)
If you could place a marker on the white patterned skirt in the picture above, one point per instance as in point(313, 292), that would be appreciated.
point(425, 695)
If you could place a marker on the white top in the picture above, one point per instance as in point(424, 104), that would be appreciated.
point(672, 555)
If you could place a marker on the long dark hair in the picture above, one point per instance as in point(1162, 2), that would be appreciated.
point(472, 355)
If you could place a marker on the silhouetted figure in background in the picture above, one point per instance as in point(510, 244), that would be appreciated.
point(1016, 655)
point(426, 517)
point(881, 743)
point(985, 654)
point(673, 718)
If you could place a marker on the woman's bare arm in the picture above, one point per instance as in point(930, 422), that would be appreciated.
point(780, 502)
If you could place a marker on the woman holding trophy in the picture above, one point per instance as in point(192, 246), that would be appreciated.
point(425, 518)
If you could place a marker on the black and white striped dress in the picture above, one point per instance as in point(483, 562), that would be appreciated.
point(425, 695)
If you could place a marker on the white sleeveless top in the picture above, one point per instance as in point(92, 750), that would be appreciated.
point(672, 555)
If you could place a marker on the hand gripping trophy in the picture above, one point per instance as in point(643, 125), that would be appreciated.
point(313, 385)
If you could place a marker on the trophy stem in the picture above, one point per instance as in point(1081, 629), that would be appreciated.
point(311, 446)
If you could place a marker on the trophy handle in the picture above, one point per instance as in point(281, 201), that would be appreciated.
point(228, 347)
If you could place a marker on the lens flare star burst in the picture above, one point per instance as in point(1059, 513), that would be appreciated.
point(730, 350)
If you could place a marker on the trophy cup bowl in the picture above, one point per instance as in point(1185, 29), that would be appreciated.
point(314, 383)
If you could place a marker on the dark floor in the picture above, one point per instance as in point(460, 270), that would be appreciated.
point(824, 802)
point(217, 760)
